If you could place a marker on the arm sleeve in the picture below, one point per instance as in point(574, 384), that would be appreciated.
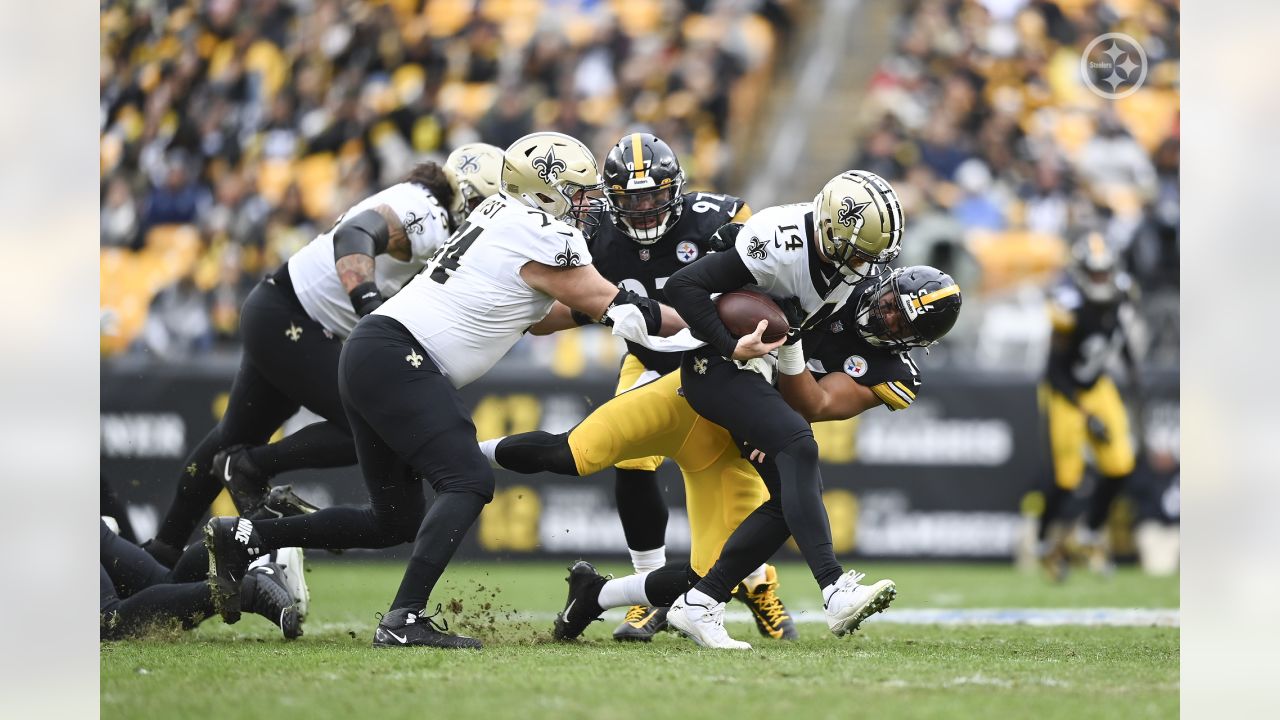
point(365, 234)
point(689, 292)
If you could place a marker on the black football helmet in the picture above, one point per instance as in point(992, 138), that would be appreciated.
point(908, 307)
point(643, 187)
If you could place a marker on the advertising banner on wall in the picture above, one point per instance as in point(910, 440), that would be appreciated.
point(947, 478)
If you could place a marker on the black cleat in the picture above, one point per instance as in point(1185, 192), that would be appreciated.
point(281, 502)
point(232, 544)
point(641, 624)
point(246, 484)
point(582, 606)
point(265, 591)
point(771, 616)
point(409, 628)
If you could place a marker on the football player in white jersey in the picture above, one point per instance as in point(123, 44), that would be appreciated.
point(808, 257)
point(293, 325)
point(498, 275)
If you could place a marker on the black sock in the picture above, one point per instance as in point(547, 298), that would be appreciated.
point(535, 452)
point(641, 508)
point(318, 445)
point(1055, 499)
point(1103, 496)
point(187, 603)
point(806, 515)
point(197, 488)
point(755, 540)
point(333, 528)
point(664, 585)
point(446, 523)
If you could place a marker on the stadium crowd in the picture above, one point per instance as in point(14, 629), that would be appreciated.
point(1000, 152)
point(232, 132)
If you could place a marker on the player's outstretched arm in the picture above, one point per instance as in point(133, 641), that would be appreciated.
point(835, 397)
point(356, 241)
point(584, 289)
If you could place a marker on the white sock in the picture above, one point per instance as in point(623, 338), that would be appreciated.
point(489, 448)
point(623, 592)
point(648, 560)
point(697, 597)
point(756, 577)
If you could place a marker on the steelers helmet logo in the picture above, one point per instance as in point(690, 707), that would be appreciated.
point(855, 366)
point(686, 252)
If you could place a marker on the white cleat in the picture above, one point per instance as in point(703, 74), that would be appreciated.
point(295, 577)
point(852, 603)
point(704, 625)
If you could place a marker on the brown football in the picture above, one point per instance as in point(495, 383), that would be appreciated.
point(742, 310)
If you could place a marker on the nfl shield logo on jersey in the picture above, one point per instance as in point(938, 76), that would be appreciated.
point(644, 254)
point(855, 366)
point(686, 252)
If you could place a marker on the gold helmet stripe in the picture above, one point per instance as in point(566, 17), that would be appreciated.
point(947, 291)
point(637, 156)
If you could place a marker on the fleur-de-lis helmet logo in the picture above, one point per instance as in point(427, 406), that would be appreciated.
point(469, 164)
point(851, 213)
point(549, 165)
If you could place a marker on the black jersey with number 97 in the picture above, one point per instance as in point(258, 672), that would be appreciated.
point(645, 268)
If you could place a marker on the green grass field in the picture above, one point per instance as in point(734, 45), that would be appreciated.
point(888, 669)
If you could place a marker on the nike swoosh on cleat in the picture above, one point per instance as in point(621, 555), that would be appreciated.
point(645, 619)
point(268, 570)
point(403, 640)
point(226, 469)
point(568, 608)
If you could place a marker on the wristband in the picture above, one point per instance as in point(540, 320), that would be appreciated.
point(365, 298)
point(791, 359)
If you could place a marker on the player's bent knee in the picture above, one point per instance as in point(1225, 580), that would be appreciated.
point(803, 449)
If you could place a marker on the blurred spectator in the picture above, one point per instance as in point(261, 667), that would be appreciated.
point(119, 216)
point(178, 325)
point(178, 200)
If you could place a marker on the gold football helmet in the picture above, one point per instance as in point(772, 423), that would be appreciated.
point(859, 223)
point(552, 172)
point(474, 170)
point(1094, 267)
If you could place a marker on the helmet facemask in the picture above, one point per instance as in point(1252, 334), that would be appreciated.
point(889, 316)
point(645, 212)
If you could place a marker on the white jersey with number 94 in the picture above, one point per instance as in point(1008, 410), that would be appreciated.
point(470, 304)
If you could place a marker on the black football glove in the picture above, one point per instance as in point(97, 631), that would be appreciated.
point(649, 307)
point(724, 238)
point(795, 316)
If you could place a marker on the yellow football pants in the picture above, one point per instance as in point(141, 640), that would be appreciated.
point(632, 373)
point(654, 421)
point(1068, 434)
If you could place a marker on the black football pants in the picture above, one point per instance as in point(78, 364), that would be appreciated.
point(135, 591)
point(757, 417)
point(409, 424)
point(289, 361)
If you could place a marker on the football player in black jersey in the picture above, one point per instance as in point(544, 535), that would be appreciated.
point(650, 229)
point(1091, 315)
point(854, 360)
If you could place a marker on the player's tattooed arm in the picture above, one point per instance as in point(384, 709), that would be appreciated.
point(356, 241)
